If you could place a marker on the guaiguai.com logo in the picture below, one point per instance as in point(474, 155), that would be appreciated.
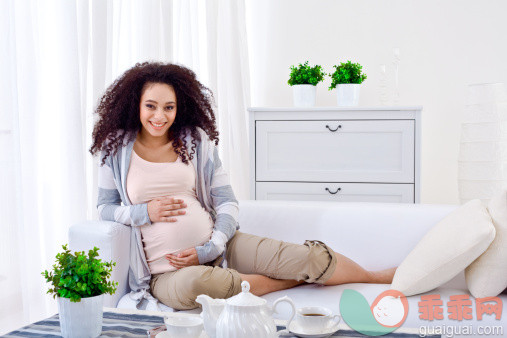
point(387, 312)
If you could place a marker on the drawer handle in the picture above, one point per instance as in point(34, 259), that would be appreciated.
point(339, 126)
point(332, 193)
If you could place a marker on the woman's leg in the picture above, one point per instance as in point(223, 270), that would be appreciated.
point(179, 289)
point(270, 265)
point(261, 285)
point(348, 271)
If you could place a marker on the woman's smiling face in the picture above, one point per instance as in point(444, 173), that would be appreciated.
point(157, 109)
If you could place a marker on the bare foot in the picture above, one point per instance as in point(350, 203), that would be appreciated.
point(383, 276)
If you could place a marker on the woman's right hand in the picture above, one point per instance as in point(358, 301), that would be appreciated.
point(163, 209)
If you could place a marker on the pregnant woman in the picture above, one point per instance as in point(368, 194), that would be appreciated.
point(159, 172)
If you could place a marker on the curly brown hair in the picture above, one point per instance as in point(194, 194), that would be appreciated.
point(118, 108)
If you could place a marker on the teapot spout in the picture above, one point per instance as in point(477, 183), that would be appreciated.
point(211, 311)
point(211, 306)
point(204, 300)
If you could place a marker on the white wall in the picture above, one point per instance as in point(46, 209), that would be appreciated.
point(444, 45)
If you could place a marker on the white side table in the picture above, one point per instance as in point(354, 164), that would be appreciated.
point(356, 154)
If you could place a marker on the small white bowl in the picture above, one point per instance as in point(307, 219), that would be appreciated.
point(184, 326)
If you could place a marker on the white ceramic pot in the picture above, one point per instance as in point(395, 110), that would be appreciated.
point(348, 94)
point(81, 319)
point(304, 95)
point(244, 315)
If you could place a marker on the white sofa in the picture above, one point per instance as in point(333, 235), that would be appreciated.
point(375, 235)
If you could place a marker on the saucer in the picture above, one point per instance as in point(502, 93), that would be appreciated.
point(298, 331)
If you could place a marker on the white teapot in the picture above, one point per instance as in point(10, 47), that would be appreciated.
point(244, 315)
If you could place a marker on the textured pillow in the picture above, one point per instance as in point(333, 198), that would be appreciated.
point(446, 249)
point(487, 275)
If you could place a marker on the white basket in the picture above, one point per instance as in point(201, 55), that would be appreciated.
point(485, 112)
point(482, 159)
point(487, 170)
point(483, 151)
point(483, 189)
point(479, 132)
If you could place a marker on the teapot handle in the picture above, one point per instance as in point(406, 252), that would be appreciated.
point(288, 300)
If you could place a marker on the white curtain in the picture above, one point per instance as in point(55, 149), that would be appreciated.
point(43, 156)
point(231, 70)
point(210, 37)
point(57, 58)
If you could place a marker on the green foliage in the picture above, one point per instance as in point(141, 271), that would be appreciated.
point(346, 73)
point(304, 74)
point(77, 276)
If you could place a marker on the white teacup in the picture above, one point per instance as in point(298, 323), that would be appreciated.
point(184, 326)
point(316, 318)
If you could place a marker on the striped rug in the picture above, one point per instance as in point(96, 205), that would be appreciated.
point(117, 324)
point(113, 325)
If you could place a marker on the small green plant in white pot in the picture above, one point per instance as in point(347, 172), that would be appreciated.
point(347, 79)
point(79, 282)
point(304, 80)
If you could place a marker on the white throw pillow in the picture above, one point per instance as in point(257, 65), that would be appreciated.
point(446, 249)
point(487, 275)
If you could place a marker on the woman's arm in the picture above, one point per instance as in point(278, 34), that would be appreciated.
point(227, 210)
point(160, 209)
point(109, 202)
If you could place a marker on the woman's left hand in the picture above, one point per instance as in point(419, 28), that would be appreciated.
point(183, 259)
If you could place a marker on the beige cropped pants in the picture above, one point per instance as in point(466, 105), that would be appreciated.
point(312, 262)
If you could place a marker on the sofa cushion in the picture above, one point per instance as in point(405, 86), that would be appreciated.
point(446, 249)
point(487, 275)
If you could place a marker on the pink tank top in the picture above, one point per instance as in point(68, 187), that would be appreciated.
point(147, 180)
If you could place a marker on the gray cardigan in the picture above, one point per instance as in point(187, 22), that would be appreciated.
point(213, 190)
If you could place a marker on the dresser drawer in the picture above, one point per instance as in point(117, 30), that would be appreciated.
point(341, 192)
point(335, 151)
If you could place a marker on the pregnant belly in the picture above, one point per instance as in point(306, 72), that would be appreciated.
point(192, 229)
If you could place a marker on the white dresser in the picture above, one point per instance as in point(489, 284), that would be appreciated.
point(359, 154)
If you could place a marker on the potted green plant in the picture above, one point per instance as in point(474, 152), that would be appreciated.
point(347, 78)
point(304, 80)
point(79, 282)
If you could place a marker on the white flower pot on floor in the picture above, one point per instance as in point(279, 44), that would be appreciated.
point(348, 94)
point(81, 319)
point(304, 95)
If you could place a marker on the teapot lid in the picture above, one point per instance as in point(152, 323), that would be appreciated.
point(245, 298)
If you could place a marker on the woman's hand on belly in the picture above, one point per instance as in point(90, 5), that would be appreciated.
point(163, 209)
point(185, 258)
